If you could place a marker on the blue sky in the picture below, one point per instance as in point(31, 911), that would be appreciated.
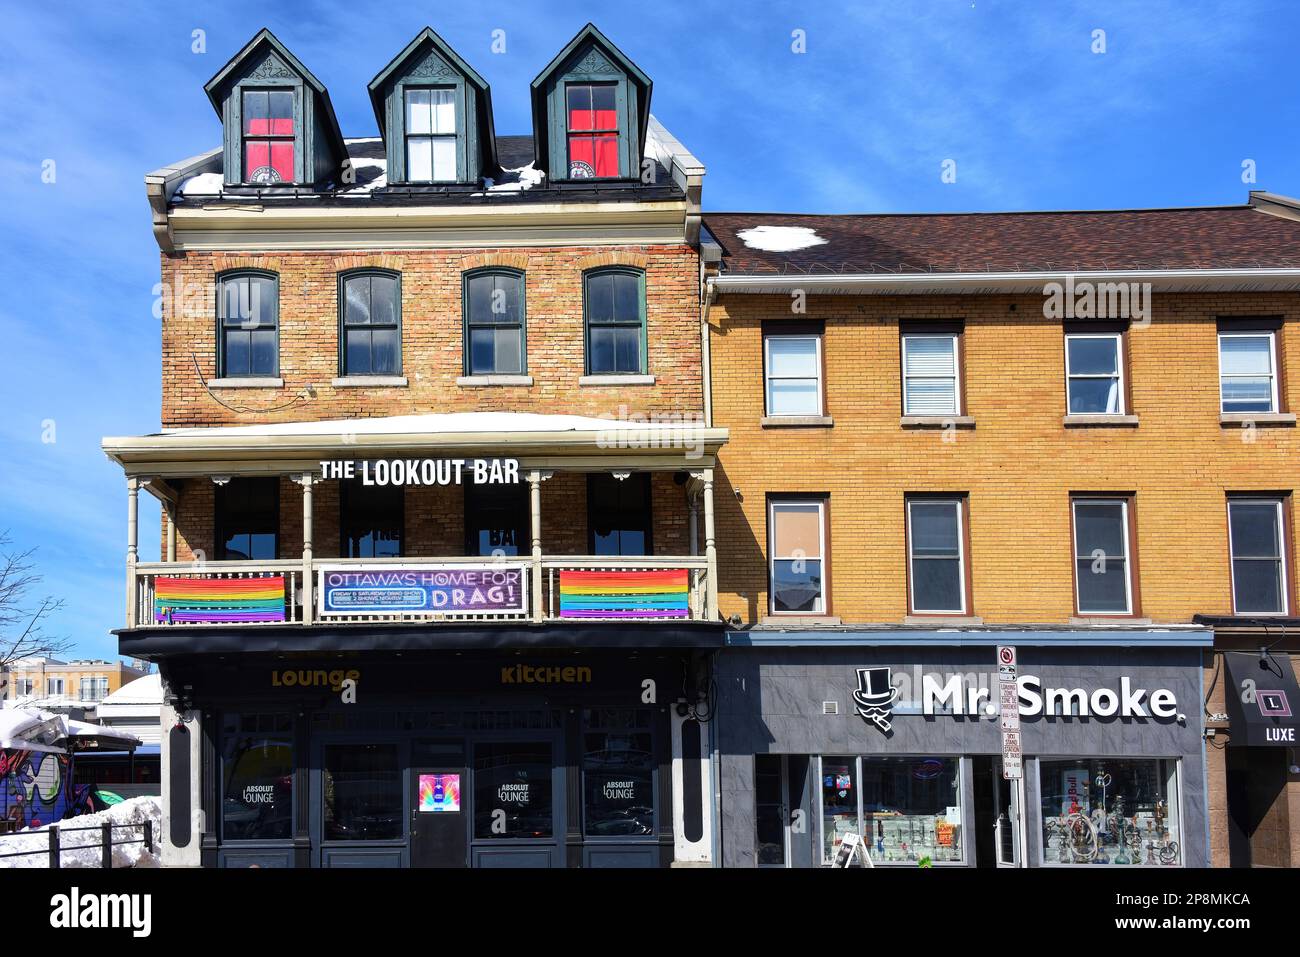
point(861, 121)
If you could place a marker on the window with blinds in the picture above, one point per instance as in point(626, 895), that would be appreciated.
point(930, 375)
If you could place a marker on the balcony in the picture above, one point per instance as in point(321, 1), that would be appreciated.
point(537, 496)
point(420, 591)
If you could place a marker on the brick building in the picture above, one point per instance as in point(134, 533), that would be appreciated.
point(928, 458)
point(439, 579)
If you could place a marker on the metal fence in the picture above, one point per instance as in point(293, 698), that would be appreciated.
point(106, 842)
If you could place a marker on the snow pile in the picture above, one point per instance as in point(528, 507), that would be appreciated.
point(525, 177)
point(205, 184)
point(780, 239)
point(82, 848)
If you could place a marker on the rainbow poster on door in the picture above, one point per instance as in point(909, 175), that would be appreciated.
point(439, 792)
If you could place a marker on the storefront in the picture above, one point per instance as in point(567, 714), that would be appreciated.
point(543, 758)
point(898, 742)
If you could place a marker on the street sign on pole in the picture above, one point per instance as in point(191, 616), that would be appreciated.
point(1009, 713)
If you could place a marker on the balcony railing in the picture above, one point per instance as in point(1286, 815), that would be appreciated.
point(413, 590)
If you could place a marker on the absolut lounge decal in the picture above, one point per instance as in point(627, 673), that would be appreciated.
point(969, 695)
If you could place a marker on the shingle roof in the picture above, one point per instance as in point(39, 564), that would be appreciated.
point(1204, 237)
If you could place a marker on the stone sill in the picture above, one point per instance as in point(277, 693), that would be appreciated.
point(251, 382)
point(937, 421)
point(800, 621)
point(616, 380)
point(954, 621)
point(795, 421)
point(483, 381)
point(1109, 621)
point(1257, 418)
point(1129, 421)
point(369, 381)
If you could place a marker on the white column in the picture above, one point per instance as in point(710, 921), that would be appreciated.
point(535, 534)
point(710, 551)
point(169, 508)
point(132, 545)
point(308, 583)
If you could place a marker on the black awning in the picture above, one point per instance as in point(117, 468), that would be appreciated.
point(149, 643)
point(1263, 699)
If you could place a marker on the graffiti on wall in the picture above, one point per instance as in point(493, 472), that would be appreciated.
point(36, 789)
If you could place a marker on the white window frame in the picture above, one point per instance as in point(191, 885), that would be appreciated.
point(1272, 371)
point(1119, 371)
point(773, 557)
point(51, 684)
point(1127, 556)
point(768, 377)
point(1283, 538)
point(1173, 786)
point(24, 687)
point(961, 554)
point(962, 762)
point(956, 370)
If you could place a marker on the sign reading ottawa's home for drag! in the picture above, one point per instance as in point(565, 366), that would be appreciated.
point(497, 588)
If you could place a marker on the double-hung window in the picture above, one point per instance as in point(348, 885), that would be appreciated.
point(1257, 541)
point(797, 550)
point(494, 323)
point(248, 325)
point(431, 135)
point(1248, 371)
point(54, 686)
point(793, 371)
point(936, 555)
point(614, 304)
point(592, 120)
point(930, 383)
point(1102, 565)
point(268, 136)
point(1094, 371)
point(371, 324)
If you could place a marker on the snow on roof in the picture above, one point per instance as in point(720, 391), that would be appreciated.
point(516, 180)
point(146, 690)
point(205, 184)
point(452, 422)
point(780, 239)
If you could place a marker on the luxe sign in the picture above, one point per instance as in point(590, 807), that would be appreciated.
point(496, 588)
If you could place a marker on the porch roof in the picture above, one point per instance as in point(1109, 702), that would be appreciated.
point(548, 440)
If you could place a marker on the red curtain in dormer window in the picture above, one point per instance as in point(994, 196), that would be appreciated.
point(593, 131)
point(268, 136)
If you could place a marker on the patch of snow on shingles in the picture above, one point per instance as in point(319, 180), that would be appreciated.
point(780, 239)
point(204, 184)
point(525, 177)
point(361, 167)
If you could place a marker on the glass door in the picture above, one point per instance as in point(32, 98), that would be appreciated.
point(771, 815)
point(361, 803)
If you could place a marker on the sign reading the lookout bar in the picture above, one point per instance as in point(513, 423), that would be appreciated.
point(497, 588)
point(423, 471)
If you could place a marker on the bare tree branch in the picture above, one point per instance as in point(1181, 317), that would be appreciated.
point(23, 616)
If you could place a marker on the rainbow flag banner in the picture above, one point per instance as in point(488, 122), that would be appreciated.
point(653, 593)
point(218, 600)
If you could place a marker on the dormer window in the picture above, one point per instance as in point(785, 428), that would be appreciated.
point(591, 108)
point(279, 127)
point(431, 135)
point(593, 130)
point(268, 136)
point(435, 116)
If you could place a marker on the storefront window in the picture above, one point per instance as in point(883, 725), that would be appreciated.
point(512, 790)
point(257, 770)
point(496, 520)
point(911, 809)
point(1110, 811)
point(839, 802)
point(618, 773)
point(363, 792)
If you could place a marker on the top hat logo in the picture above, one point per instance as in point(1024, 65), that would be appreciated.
point(875, 696)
